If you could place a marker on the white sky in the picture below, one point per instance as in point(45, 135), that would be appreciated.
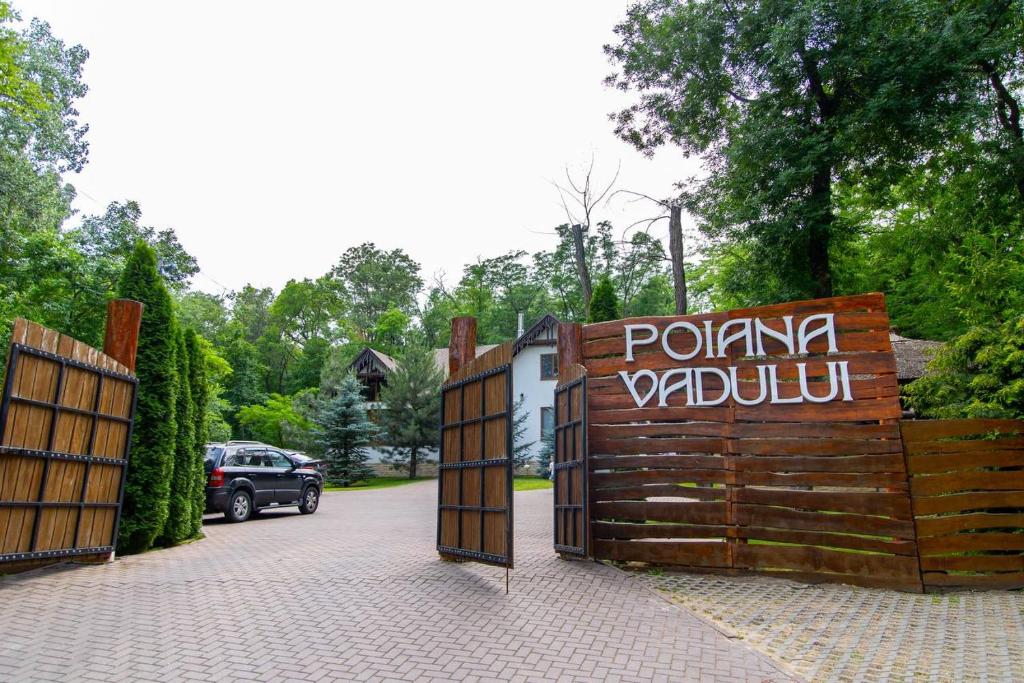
point(273, 136)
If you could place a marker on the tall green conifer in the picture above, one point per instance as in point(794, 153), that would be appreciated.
point(148, 484)
point(200, 397)
point(178, 526)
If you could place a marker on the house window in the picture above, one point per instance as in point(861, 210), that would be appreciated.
point(549, 366)
point(547, 422)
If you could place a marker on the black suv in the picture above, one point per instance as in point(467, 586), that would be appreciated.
point(246, 477)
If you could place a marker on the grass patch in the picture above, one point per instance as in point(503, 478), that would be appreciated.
point(374, 483)
point(531, 483)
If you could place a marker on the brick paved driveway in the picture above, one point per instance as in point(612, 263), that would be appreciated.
point(355, 592)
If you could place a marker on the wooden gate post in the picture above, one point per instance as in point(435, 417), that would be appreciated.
point(124, 317)
point(462, 346)
point(570, 347)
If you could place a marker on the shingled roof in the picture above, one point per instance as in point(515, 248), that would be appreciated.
point(912, 356)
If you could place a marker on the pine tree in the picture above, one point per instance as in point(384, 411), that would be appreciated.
point(178, 526)
point(603, 304)
point(200, 397)
point(148, 484)
point(412, 412)
point(343, 434)
point(520, 424)
point(547, 452)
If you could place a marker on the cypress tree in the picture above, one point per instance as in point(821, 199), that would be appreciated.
point(200, 398)
point(179, 510)
point(343, 434)
point(603, 303)
point(148, 484)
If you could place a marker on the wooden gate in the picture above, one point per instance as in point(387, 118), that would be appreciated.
point(570, 464)
point(474, 519)
point(65, 429)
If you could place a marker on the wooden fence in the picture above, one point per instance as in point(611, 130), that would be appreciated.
point(65, 426)
point(967, 486)
point(814, 491)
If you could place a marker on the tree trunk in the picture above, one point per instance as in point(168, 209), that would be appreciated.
point(676, 251)
point(413, 457)
point(581, 268)
point(820, 231)
point(1008, 113)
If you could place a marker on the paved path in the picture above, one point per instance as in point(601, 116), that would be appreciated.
point(355, 592)
point(849, 635)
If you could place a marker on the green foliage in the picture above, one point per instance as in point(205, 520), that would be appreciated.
point(200, 385)
point(269, 421)
point(520, 425)
point(373, 281)
point(783, 99)
point(979, 374)
point(412, 410)
point(603, 304)
point(178, 525)
point(547, 452)
point(344, 432)
point(148, 484)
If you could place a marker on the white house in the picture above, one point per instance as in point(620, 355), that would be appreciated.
point(534, 374)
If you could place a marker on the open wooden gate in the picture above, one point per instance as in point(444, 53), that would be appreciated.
point(65, 430)
point(474, 519)
point(570, 463)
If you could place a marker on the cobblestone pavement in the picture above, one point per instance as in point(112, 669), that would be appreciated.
point(842, 633)
point(355, 591)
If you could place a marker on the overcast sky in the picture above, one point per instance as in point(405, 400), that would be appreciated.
point(273, 136)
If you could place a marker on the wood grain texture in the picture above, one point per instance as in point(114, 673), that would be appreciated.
point(967, 488)
point(52, 426)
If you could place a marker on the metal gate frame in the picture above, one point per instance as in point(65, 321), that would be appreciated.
point(507, 462)
point(49, 455)
point(579, 549)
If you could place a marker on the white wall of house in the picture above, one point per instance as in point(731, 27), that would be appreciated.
point(537, 393)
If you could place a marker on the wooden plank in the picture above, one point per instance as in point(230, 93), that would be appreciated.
point(627, 531)
point(703, 462)
point(656, 491)
point(992, 540)
point(684, 512)
point(1008, 581)
point(886, 462)
point(890, 480)
point(934, 484)
point(686, 553)
point(936, 526)
point(953, 462)
point(608, 432)
point(979, 446)
point(600, 480)
point(820, 539)
point(896, 505)
point(698, 413)
point(930, 430)
point(974, 563)
point(823, 560)
point(868, 409)
point(821, 446)
point(850, 523)
point(963, 502)
point(622, 447)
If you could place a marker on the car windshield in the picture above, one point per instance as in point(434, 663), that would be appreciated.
point(299, 457)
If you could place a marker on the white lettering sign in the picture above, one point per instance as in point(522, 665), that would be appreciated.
point(711, 386)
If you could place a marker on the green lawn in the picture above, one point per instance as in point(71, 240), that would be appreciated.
point(374, 483)
point(525, 483)
point(531, 483)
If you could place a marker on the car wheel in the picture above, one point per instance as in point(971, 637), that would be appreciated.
point(239, 507)
point(310, 501)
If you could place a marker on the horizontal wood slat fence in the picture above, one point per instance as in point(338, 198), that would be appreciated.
point(967, 486)
point(804, 490)
point(65, 427)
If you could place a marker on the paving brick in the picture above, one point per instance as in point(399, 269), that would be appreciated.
point(356, 592)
